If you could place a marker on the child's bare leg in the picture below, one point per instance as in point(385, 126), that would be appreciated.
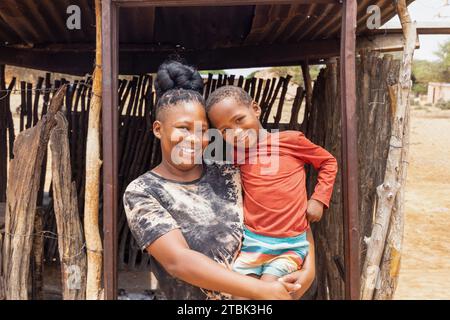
point(242, 298)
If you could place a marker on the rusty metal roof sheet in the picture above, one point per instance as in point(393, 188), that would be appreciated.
point(42, 24)
point(44, 21)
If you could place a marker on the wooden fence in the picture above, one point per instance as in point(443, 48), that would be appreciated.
point(138, 147)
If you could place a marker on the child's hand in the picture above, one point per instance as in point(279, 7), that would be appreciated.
point(314, 210)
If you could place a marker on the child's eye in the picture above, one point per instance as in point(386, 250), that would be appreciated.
point(238, 120)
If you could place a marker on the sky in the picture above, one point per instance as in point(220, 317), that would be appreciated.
point(420, 11)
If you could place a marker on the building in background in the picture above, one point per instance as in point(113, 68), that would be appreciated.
point(438, 91)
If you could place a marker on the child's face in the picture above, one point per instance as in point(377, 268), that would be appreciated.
point(239, 124)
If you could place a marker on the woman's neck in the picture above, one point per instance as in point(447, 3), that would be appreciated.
point(169, 171)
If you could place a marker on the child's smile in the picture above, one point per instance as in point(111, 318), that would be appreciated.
point(238, 124)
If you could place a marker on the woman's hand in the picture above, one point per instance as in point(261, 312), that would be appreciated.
point(305, 276)
point(277, 290)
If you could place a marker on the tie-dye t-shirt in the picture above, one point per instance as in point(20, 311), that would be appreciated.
point(208, 211)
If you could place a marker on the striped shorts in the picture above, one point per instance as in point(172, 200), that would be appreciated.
point(267, 255)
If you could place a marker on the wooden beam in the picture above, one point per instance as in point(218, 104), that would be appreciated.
point(80, 64)
point(134, 58)
point(210, 3)
point(422, 28)
point(349, 147)
point(383, 43)
point(110, 128)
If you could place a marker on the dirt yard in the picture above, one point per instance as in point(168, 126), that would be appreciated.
point(425, 268)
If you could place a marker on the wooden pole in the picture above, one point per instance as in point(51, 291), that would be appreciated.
point(37, 257)
point(349, 149)
point(93, 164)
point(110, 115)
point(308, 94)
point(23, 185)
point(65, 202)
point(389, 211)
point(3, 131)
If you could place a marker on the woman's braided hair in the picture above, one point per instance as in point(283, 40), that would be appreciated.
point(177, 82)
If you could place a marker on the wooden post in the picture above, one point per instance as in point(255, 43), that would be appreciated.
point(23, 185)
point(293, 122)
point(2, 232)
point(349, 149)
point(110, 59)
point(70, 234)
point(37, 258)
point(389, 211)
point(93, 164)
point(308, 95)
point(3, 130)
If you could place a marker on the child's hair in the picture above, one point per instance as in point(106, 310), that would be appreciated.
point(177, 82)
point(239, 94)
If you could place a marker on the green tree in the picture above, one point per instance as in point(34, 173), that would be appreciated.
point(423, 72)
point(443, 55)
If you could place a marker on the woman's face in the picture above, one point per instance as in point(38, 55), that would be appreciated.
point(181, 131)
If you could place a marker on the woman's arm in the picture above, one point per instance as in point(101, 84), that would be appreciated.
point(306, 275)
point(172, 252)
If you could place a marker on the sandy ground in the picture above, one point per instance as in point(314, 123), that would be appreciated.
point(425, 268)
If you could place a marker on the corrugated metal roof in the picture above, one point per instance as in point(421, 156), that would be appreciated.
point(41, 24)
point(44, 21)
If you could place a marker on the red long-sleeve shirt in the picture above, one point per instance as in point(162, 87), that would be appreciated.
point(275, 198)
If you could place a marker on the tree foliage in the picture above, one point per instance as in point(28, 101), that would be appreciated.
point(424, 71)
point(294, 71)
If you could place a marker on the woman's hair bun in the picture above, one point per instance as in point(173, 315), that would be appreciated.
point(174, 74)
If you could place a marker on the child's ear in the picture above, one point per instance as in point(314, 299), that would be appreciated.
point(256, 108)
point(157, 129)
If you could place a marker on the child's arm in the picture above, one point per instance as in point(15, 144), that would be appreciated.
point(326, 165)
point(173, 253)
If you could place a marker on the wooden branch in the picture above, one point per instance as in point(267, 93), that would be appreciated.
point(23, 184)
point(65, 203)
point(293, 122)
point(37, 266)
point(390, 263)
point(393, 181)
point(2, 225)
point(93, 165)
point(2, 283)
point(3, 130)
point(308, 95)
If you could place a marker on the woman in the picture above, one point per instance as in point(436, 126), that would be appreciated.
point(187, 214)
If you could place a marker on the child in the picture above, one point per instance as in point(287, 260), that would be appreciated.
point(276, 209)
